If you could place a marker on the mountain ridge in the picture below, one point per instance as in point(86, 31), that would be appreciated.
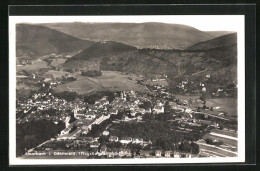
point(33, 40)
point(222, 41)
point(140, 35)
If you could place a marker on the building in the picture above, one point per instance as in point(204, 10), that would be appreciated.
point(66, 130)
point(207, 76)
point(90, 115)
point(158, 153)
point(94, 145)
point(126, 140)
point(113, 138)
point(106, 133)
point(76, 114)
point(168, 153)
point(158, 109)
point(137, 141)
point(123, 95)
point(100, 119)
point(176, 155)
point(113, 111)
point(145, 154)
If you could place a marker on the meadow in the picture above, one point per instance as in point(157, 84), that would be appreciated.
point(37, 64)
point(228, 105)
point(110, 80)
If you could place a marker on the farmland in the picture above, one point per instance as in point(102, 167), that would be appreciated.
point(37, 64)
point(58, 61)
point(187, 97)
point(159, 82)
point(228, 105)
point(110, 80)
point(58, 73)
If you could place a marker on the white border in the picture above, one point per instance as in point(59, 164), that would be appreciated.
point(236, 22)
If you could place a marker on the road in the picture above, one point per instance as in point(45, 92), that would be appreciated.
point(68, 87)
point(211, 115)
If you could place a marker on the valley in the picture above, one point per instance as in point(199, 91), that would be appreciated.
point(121, 98)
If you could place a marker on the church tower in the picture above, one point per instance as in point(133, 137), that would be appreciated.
point(76, 110)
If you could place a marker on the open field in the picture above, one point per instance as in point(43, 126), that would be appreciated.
point(228, 105)
point(58, 73)
point(228, 133)
point(161, 82)
point(58, 61)
point(26, 87)
point(117, 81)
point(110, 80)
point(187, 97)
point(37, 64)
point(81, 86)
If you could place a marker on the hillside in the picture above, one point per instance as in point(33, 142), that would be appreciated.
point(104, 48)
point(222, 41)
point(90, 58)
point(32, 41)
point(219, 33)
point(141, 35)
point(112, 56)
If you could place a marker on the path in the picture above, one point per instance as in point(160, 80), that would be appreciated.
point(224, 136)
point(211, 115)
point(68, 87)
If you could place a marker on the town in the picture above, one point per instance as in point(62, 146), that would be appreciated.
point(124, 126)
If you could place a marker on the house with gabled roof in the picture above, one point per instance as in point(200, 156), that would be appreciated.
point(168, 154)
point(158, 153)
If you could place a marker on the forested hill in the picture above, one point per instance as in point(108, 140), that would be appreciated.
point(151, 62)
point(222, 41)
point(140, 35)
point(33, 40)
point(104, 48)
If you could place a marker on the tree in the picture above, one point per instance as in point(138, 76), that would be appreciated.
point(195, 148)
point(146, 105)
point(185, 147)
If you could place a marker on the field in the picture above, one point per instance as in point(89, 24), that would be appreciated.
point(58, 61)
point(187, 97)
point(228, 133)
point(228, 105)
point(58, 73)
point(161, 82)
point(26, 87)
point(110, 80)
point(37, 64)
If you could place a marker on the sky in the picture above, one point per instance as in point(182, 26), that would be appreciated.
point(201, 22)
